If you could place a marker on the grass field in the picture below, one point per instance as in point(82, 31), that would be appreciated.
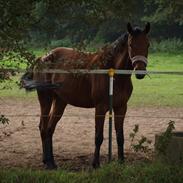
point(112, 173)
point(159, 90)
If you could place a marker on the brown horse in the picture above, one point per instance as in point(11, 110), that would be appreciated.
point(128, 52)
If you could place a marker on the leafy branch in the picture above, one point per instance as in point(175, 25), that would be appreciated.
point(164, 139)
point(139, 145)
point(4, 120)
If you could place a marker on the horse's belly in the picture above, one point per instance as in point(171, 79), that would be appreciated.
point(76, 98)
point(85, 104)
point(77, 92)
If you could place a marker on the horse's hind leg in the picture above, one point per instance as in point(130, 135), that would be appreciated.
point(45, 99)
point(100, 112)
point(119, 115)
point(57, 112)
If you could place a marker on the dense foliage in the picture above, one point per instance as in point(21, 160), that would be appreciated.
point(42, 23)
point(45, 20)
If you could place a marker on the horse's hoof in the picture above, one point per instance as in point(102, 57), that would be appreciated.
point(121, 161)
point(50, 166)
point(96, 165)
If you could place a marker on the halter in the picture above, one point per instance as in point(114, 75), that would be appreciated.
point(139, 58)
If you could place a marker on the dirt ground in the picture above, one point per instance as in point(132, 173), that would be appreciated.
point(20, 144)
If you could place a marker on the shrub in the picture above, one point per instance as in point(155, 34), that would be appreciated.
point(139, 145)
point(165, 138)
point(3, 119)
point(169, 45)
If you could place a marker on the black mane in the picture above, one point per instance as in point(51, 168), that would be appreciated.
point(137, 31)
point(114, 49)
point(119, 43)
point(117, 46)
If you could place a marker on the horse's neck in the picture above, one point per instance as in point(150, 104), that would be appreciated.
point(122, 61)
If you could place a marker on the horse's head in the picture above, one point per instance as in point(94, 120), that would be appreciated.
point(138, 45)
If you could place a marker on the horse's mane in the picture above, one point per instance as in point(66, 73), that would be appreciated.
point(110, 51)
point(106, 57)
point(137, 31)
point(119, 44)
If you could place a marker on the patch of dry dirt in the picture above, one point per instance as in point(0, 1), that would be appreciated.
point(20, 144)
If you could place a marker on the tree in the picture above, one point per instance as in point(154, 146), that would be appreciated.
point(79, 19)
point(165, 11)
point(16, 19)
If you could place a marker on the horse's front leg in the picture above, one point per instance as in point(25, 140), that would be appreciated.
point(119, 115)
point(100, 112)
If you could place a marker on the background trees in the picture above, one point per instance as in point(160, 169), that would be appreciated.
point(42, 21)
point(53, 22)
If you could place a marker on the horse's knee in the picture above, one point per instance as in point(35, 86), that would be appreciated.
point(98, 140)
point(43, 134)
point(120, 139)
point(46, 133)
point(43, 122)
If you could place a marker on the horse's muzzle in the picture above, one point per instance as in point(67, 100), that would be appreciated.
point(140, 76)
point(140, 66)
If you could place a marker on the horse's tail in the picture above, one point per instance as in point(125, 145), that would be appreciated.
point(27, 81)
point(32, 79)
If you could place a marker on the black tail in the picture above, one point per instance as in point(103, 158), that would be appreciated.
point(29, 84)
point(27, 81)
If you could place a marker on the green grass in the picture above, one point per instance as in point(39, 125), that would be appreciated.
point(112, 173)
point(160, 90)
point(11, 89)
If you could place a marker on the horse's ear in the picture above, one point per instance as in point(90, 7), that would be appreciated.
point(147, 28)
point(129, 28)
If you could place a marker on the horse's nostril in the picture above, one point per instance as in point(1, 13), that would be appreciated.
point(140, 76)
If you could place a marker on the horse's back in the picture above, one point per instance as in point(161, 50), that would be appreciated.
point(69, 58)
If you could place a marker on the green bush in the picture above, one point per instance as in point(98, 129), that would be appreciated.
point(169, 45)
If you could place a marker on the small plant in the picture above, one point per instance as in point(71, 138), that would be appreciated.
point(139, 145)
point(164, 139)
point(4, 120)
